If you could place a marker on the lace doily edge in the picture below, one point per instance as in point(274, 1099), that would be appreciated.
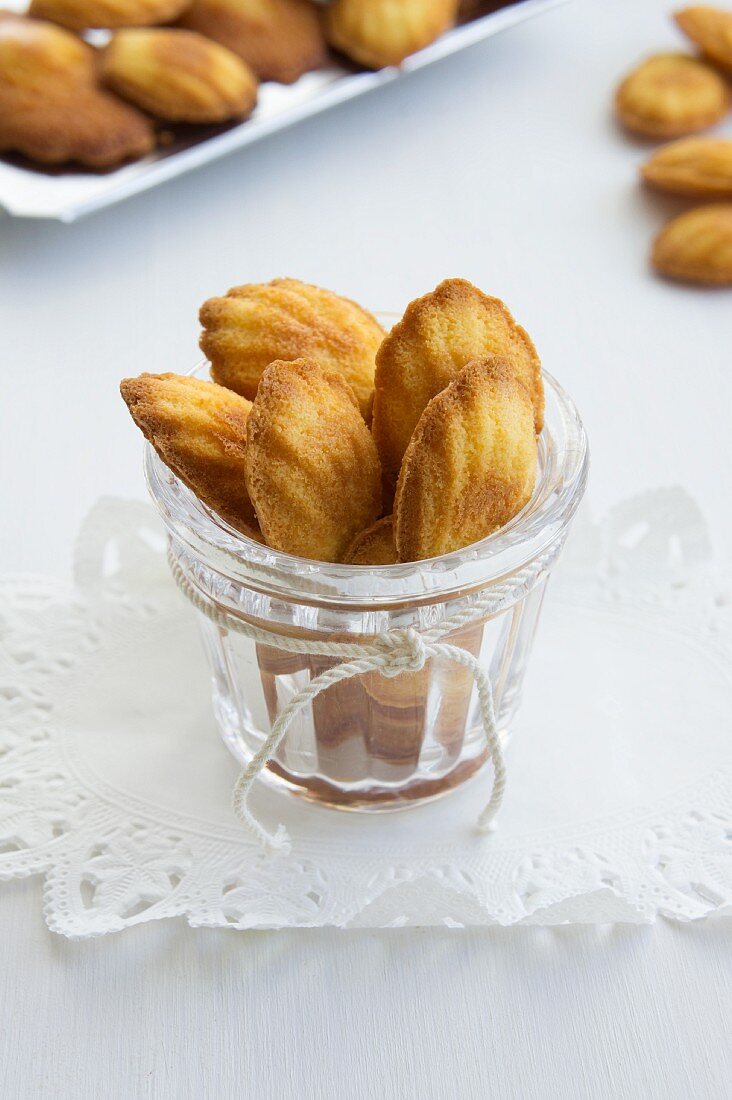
point(679, 868)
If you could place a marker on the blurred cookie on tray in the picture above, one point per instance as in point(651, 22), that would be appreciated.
point(80, 15)
point(280, 40)
point(378, 33)
point(158, 74)
point(179, 76)
point(52, 107)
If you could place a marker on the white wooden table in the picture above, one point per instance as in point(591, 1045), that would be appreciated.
point(501, 165)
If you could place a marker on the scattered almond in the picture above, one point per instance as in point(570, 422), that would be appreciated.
point(671, 95)
point(696, 247)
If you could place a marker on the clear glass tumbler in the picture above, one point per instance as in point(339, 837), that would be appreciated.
point(371, 742)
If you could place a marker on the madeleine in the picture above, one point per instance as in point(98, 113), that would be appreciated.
point(696, 247)
point(377, 33)
point(438, 335)
point(312, 471)
point(374, 546)
point(81, 14)
point(471, 464)
point(51, 108)
point(278, 39)
point(671, 95)
point(199, 430)
point(253, 325)
point(711, 30)
point(700, 168)
point(179, 76)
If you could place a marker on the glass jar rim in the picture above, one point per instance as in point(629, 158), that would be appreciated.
point(562, 475)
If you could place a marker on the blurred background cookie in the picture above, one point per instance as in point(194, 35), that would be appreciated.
point(51, 108)
point(178, 75)
point(377, 33)
point(279, 39)
point(696, 247)
point(80, 14)
point(711, 30)
point(671, 95)
point(187, 85)
point(698, 167)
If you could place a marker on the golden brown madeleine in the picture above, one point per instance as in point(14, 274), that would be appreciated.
point(50, 106)
point(199, 431)
point(312, 468)
point(34, 52)
point(374, 546)
point(696, 247)
point(698, 167)
point(437, 336)
point(91, 127)
point(253, 325)
point(710, 29)
point(81, 14)
point(179, 76)
point(471, 463)
point(279, 39)
point(671, 95)
point(377, 33)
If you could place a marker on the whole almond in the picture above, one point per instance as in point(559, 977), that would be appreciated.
point(710, 29)
point(696, 247)
point(698, 167)
point(671, 95)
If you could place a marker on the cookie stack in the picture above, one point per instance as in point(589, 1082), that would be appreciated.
point(326, 438)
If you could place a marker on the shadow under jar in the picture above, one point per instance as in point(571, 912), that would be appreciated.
point(372, 742)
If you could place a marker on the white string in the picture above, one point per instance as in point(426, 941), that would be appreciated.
point(391, 654)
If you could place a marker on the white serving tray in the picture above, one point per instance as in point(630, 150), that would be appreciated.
point(26, 193)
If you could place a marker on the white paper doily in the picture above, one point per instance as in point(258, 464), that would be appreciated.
point(114, 783)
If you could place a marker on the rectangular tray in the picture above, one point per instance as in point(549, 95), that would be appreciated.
point(66, 196)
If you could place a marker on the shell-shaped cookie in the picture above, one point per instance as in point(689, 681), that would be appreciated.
point(670, 95)
point(311, 464)
point(51, 108)
point(698, 167)
point(696, 247)
point(81, 14)
point(374, 546)
point(470, 466)
point(710, 29)
point(179, 76)
point(253, 325)
point(437, 336)
point(33, 52)
point(199, 431)
point(279, 39)
point(377, 33)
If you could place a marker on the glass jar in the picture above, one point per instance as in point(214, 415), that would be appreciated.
point(372, 742)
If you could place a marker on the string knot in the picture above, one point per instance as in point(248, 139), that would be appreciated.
point(391, 654)
point(406, 652)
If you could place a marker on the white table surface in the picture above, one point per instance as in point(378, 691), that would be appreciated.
point(501, 165)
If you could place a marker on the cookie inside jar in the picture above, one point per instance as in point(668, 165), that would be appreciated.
point(374, 554)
